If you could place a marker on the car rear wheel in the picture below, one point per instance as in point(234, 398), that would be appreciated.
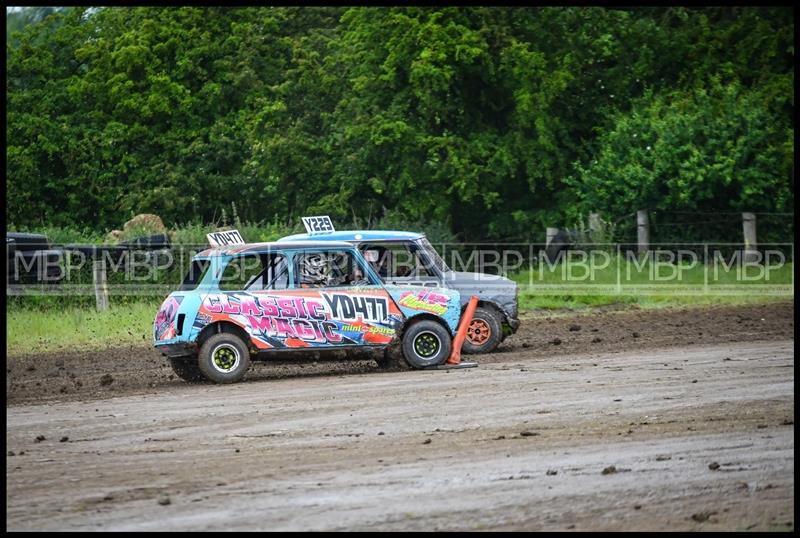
point(187, 369)
point(485, 332)
point(224, 358)
point(426, 343)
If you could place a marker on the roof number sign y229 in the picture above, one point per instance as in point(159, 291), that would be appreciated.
point(318, 225)
point(223, 239)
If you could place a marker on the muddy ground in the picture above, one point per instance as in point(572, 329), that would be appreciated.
point(674, 420)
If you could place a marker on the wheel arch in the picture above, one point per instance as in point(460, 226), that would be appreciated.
point(420, 317)
point(489, 305)
point(224, 327)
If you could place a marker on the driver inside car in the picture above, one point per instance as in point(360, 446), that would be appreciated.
point(357, 278)
point(315, 271)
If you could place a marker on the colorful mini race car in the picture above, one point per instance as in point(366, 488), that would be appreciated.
point(255, 301)
point(408, 258)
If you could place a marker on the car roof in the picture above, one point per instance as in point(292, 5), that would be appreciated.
point(273, 246)
point(356, 235)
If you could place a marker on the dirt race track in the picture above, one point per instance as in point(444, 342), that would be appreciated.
point(673, 420)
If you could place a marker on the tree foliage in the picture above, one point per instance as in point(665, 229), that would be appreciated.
point(496, 122)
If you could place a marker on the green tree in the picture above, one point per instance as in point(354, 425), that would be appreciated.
point(496, 122)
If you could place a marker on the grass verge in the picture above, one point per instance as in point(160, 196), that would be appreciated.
point(62, 329)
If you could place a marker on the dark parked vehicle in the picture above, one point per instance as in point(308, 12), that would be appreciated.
point(32, 259)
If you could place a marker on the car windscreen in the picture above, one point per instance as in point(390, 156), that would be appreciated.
point(430, 253)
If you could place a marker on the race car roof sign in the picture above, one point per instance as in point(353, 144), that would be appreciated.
point(318, 225)
point(224, 239)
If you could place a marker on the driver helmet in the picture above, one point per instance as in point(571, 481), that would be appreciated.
point(315, 269)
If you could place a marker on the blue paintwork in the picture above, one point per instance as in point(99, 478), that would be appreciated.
point(191, 300)
point(350, 235)
point(451, 316)
point(189, 306)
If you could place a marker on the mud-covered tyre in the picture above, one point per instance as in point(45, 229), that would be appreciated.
point(391, 359)
point(224, 358)
point(485, 332)
point(426, 343)
point(187, 369)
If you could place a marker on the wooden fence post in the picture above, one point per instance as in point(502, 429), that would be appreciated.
point(750, 244)
point(551, 234)
point(642, 231)
point(595, 226)
point(100, 285)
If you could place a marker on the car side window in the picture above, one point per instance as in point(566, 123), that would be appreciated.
point(395, 260)
point(328, 269)
point(241, 272)
point(195, 275)
point(276, 273)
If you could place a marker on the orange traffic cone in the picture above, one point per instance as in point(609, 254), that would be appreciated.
point(461, 333)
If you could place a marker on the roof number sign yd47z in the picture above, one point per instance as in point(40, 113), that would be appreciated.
point(223, 239)
point(318, 225)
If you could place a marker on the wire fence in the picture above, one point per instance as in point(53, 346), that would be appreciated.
point(705, 226)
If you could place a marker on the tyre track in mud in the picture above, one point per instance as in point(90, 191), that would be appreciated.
point(697, 437)
point(119, 371)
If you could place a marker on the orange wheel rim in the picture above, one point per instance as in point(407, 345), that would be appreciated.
point(478, 332)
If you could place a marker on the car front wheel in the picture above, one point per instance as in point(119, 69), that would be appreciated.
point(485, 332)
point(426, 343)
